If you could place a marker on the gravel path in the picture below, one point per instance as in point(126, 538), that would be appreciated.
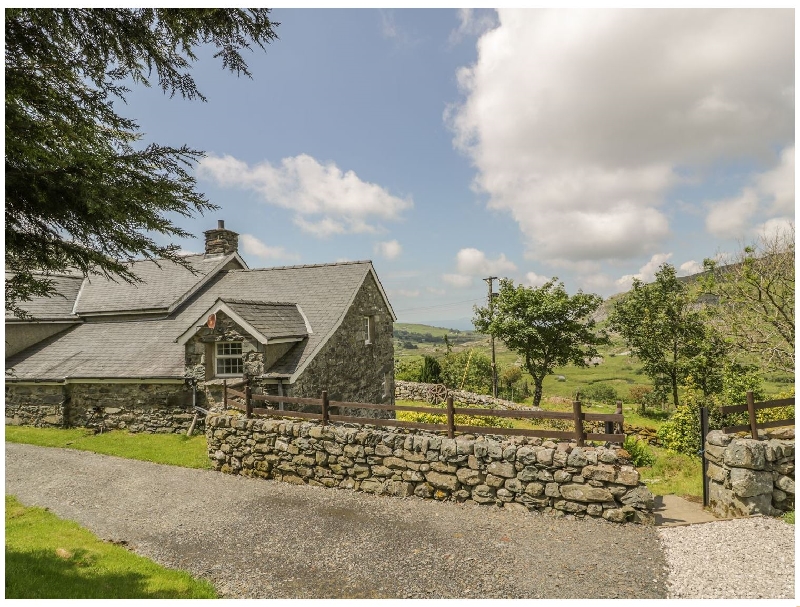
point(264, 539)
point(751, 558)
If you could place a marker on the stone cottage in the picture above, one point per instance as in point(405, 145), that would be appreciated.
point(139, 355)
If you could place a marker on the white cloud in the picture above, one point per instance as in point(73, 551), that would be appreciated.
point(777, 185)
point(690, 267)
point(774, 227)
point(406, 292)
point(578, 138)
point(253, 246)
point(390, 249)
point(325, 199)
point(731, 217)
point(436, 291)
point(457, 280)
point(472, 22)
point(769, 195)
point(532, 279)
point(473, 262)
point(646, 273)
point(391, 31)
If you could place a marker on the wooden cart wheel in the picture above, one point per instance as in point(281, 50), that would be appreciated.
point(437, 393)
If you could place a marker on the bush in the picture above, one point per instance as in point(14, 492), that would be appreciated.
point(472, 373)
point(431, 370)
point(407, 370)
point(599, 393)
point(639, 451)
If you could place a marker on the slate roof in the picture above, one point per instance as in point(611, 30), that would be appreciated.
point(140, 349)
point(148, 348)
point(58, 307)
point(271, 319)
point(163, 283)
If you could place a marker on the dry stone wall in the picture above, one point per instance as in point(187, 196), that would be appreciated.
point(748, 476)
point(137, 407)
point(410, 390)
point(523, 473)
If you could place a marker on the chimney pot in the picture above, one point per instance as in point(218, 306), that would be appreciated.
point(221, 241)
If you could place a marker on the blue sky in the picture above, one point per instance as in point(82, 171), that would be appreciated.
point(447, 145)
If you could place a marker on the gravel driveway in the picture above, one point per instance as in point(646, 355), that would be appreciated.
point(265, 539)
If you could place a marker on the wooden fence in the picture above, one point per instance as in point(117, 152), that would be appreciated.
point(751, 407)
point(578, 416)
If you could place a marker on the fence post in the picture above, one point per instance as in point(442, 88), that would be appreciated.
point(451, 426)
point(325, 407)
point(703, 461)
point(751, 412)
point(248, 404)
point(578, 415)
point(224, 393)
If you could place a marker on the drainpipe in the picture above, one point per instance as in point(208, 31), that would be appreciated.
point(280, 393)
point(193, 381)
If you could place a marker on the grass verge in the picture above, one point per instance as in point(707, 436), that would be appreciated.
point(50, 558)
point(172, 449)
point(674, 474)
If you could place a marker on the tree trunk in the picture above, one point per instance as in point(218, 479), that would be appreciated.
point(537, 390)
point(675, 390)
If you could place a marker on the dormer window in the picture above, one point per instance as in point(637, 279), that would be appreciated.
point(229, 359)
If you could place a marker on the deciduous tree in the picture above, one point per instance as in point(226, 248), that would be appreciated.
point(663, 327)
point(755, 293)
point(81, 192)
point(546, 326)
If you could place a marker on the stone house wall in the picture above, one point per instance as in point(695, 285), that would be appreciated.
point(520, 473)
point(349, 369)
point(138, 407)
point(748, 476)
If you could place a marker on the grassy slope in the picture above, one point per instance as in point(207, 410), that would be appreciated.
point(172, 449)
point(50, 558)
point(617, 369)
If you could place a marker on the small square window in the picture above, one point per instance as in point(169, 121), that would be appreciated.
point(229, 358)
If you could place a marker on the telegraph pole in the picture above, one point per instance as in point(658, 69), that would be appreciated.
point(489, 281)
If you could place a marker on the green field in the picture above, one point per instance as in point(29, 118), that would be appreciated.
point(617, 368)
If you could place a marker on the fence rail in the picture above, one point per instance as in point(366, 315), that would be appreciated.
point(751, 407)
point(577, 415)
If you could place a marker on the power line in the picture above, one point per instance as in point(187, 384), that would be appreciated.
point(455, 303)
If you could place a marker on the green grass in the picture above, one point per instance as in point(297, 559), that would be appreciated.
point(172, 449)
point(789, 517)
point(50, 558)
point(674, 474)
point(618, 369)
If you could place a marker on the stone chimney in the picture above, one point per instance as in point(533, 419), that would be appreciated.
point(221, 241)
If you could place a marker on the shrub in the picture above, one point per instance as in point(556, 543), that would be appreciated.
point(599, 393)
point(639, 451)
point(407, 370)
point(431, 371)
point(470, 372)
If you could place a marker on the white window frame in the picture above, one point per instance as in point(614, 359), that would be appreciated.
point(229, 356)
point(369, 329)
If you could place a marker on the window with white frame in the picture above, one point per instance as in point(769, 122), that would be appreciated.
point(229, 358)
point(369, 329)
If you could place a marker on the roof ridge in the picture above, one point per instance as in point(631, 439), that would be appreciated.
point(257, 302)
point(311, 265)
